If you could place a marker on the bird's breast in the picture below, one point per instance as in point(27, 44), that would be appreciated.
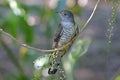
point(68, 32)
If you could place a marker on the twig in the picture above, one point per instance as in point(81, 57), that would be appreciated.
point(93, 12)
point(27, 46)
point(51, 50)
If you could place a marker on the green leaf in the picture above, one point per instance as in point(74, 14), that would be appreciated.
point(79, 49)
point(27, 30)
point(11, 24)
point(117, 78)
point(15, 77)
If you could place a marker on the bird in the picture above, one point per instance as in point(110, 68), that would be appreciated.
point(66, 32)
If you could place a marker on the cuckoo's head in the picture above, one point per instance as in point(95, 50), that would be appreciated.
point(66, 15)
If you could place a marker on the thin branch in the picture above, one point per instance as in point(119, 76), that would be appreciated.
point(51, 50)
point(93, 12)
point(27, 46)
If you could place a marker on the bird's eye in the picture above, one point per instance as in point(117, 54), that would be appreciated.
point(64, 14)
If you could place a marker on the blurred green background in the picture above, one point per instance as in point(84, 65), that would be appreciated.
point(34, 22)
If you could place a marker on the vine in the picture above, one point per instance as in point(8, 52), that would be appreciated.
point(112, 20)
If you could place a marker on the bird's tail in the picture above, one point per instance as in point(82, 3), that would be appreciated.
point(55, 61)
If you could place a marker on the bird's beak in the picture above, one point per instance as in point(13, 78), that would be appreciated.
point(59, 13)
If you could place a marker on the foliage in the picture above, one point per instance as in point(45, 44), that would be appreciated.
point(79, 49)
point(42, 63)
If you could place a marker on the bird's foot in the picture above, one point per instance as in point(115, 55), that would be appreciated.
point(65, 47)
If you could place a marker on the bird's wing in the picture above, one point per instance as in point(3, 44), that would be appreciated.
point(76, 34)
point(57, 36)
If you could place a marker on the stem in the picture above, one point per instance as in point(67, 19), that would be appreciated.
point(13, 58)
point(85, 25)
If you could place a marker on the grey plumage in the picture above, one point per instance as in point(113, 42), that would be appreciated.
point(66, 31)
